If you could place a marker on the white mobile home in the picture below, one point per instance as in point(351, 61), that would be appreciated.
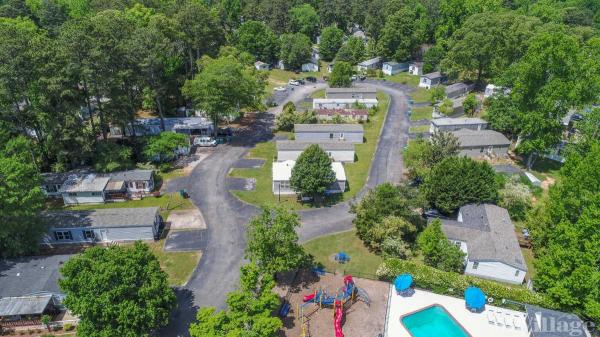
point(373, 63)
point(337, 151)
point(282, 172)
point(477, 143)
point(259, 65)
point(343, 103)
point(454, 124)
point(391, 68)
point(88, 189)
point(354, 93)
point(459, 89)
point(415, 68)
point(487, 236)
point(431, 80)
point(317, 133)
point(358, 115)
point(102, 225)
point(310, 67)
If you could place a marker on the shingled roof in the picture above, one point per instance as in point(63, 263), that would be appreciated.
point(103, 218)
point(488, 233)
point(469, 138)
point(290, 145)
point(328, 128)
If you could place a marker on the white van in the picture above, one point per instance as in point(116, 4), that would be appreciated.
point(205, 142)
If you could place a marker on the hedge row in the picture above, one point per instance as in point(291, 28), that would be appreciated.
point(453, 284)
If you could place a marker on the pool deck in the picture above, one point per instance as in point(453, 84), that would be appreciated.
point(476, 324)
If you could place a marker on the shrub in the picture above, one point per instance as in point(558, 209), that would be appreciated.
point(516, 198)
point(453, 284)
point(68, 327)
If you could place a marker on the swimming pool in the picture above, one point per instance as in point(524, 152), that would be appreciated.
point(433, 321)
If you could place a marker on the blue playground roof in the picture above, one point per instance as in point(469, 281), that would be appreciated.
point(474, 297)
point(403, 282)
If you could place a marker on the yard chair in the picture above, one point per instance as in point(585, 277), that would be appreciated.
point(499, 318)
point(491, 317)
point(517, 322)
point(508, 320)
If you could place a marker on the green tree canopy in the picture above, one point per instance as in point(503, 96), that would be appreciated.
point(331, 41)
point(438, 251)
point(341, 75)
point(117, 291)
point(162, 148)
point(111, 157)
point(273, 241)
point(295, 50)
point(223, 87)
point(304, 19)
point(257, 39)
point(387, 211)
point(353, 51)
point(401, 35)
point(21, 199)
point(457, 181)
point(422, 154)
point(312, 175)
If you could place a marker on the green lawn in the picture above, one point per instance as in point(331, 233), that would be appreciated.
point(278, 77)
point(418, 129)
point(362, 261)
point(404, 78)
point(318, 94)
point(545, 168)
point(420, 95)
point(529, 259)
point(419, 113)
point(166, 203)
point(178, 265)
point(356, 172)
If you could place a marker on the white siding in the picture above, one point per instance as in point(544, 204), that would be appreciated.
point(129, 233)
point(337, 187)
point(353, 137)
point(341, 156)
point(497, 271)
point(83, 198)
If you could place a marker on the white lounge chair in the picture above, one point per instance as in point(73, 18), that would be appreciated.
point(499, 318)
point(508, 320)
point(491, 316)
point(517, 322)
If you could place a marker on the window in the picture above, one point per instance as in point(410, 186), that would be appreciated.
point(341, 136)
point(72, 194)
point(331, 136)
point(89, 234)
point(517, 273)
point(140, 184)
point(63, 235)
point(481, 150)
point(96, 194)
point(475, 265)
point(457, 244)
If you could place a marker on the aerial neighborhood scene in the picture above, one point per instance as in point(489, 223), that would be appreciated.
point(287, 168)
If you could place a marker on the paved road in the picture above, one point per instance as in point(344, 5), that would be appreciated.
point(226, 216)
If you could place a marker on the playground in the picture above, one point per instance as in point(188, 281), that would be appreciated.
point(327, 305)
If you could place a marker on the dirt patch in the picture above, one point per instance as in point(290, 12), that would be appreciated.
point(360, 319)
point(547, 183)
point(186, 219)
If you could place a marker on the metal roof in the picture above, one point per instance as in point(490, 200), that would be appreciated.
point(370, 61)
point(489, 234)
point(87, 183)
point(433, 75)
point(290, 145)
point(31, 275)
point(351, 90)
point(469, 138)
point(102, 218)
point(27, 305)
point(131, 175)
point(445, 121)
point(328, 128)
point(58, 178)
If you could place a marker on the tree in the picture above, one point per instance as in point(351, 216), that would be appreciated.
point(457, 181)
point(438, 251)
point(401, 35)
point(331, 41)
point(45, 320)
point(312, 175)
point(516, 198)
point(421, 154)
point(117, 291)
point(304, 19)
point(295, 50)
point(452, 14)
point(447, 107)
point(224, 87)
point(21, 199)
point(163, 148)
point(501, 39)
point(250, 309)
point(436, 94)
point(273, 241)
point(565, 234)
point(502, 114)
point(432, 58)
point(110, 156)
point(257, 39)
point(470, 104)
point(353, 51)
point(341, 75)
point(387, 211)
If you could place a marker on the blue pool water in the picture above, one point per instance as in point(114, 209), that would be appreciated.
point(433, 322)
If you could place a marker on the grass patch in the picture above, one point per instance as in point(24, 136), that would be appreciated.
point(420, 95)
point(179, 266)
point(166, 203)
point(529, 260)
point(545, 168)
point(318, 94)
point(172, 174)
point(418, 129)
point(356, 172)
point(422, 112)
point(362, 261)
point(404, 78)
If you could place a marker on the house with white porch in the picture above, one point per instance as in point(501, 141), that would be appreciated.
point(282, 173)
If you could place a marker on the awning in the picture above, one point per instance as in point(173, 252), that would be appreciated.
point(403, 282)
point(474, 298)
point(26, 305)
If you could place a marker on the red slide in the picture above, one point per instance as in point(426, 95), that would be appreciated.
point(337, 318)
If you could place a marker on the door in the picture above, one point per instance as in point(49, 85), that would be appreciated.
point(103, 235)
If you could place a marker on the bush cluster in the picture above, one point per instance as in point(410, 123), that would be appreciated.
point(453, 284)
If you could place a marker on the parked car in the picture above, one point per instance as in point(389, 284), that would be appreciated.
point(205, 142)
point(293, 82)
point(279, 89)
point(354, 78)
point(311, 79)
point(362, 77)
point(301, 81)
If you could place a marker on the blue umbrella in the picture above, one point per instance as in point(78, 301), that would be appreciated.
point(403, 282)
point(475, 298)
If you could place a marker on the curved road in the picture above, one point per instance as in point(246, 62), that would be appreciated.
point(226, 216)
